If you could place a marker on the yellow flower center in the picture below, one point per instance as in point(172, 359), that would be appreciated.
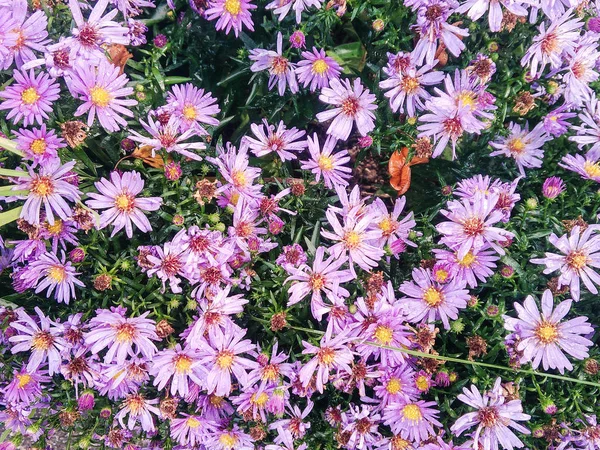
point(320, 67)
point(412, 412)
point(216, 401)
point(350, 106)
point(38, 146)
point(56, 228)
point(422, 383)
point(592, 169)
point(239, 178)
point(325, 163)
point(352, 239)
point(410, 85)
point(233, 7)
point(270, 372)
point(125, 332)
point(384, 334)
point(42, 186)
point(441, 275)
point(135, 404)
point(547, 332)
point(400, 444)
point(577, 260)
point(388, 226)
point(189, 112)
point(225, 359)
point(24, 380)
point(42, 340)
point(29, 96)
point(468, 260)
point(467, 98)
point(516, 146)
point(394, 386)
point(260, 399)
point(57, 273)
point(124, 202)
point(316, 281)
point(183, 364)
point(192, 422)
point(279, 65)
point(100, 96)
point(326, 355)
point(433, 297)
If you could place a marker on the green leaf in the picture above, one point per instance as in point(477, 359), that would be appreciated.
point(10, 216)
point(350, 56)
point(9, 145)
point(176, 80)
point(14, 173)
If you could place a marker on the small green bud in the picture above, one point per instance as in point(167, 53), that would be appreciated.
point(352, 309)
point(220, 227)
point(531, 203)
point(457, 326)
point(191, 304)
point(141, 96)
point(214, 218)
point(174, 303)
point(84, 442)
point(126, 265)
point(140, 88)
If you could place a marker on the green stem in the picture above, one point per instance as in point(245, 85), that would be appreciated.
point(464, 361)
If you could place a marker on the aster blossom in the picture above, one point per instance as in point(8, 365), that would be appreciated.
point(413, 420)
point(332, 354)
point(193, 107)
point(281, 70)
point(588, 167)
point(326, 163)
point(178, 367)
point(353, 104)
point(545, 337)
point(477, 8)
point(281, 140)
point(30, 35)
point(123, 208)
point(580, 255)
point(494, 418)
point(231, 14)
point(588, 132)
point(524, 146)
point(317, 69)
point(39, 144)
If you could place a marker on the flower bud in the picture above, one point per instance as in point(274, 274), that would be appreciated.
point(86, 401)
point(378, 25)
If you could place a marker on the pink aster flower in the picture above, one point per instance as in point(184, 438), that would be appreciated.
point(413, 420)
point(428, 300)
point(550, 44)
point(168, 137)
point(580, 255)
point(581, 72)
point(588, 132)
point(331, 354)
point(56, 275)
point(193, 107)
point(8, 37)
point(25, 386)
point(100, 88)
point(281, 70)
point(588, 167)
point(353, 104)
point(123, 208)
point(178, 367)
point(89, 36)
point(39, 144)
point(544, 336)
point(31, 34)
point(138, 409)
point(49, 187)
point(324, 277)
point(476, 266)
point(191, 429)
point(396, 385)
point(42, 338)
point(222, 357)
point(281, 8)
point(280, 140)
point(494, 418)
point(168, 265)
point(553, 187)
point(122, 336)
point(408, 87)
point(477, 8)
point(524, 146)
point(556, 121)
point(353, 238)
point(471, 225)
point(325, 163)
point(317, 69)
point(29, 98)
point(231, 14)
point(392, 227)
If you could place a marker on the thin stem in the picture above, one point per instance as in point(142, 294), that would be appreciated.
point(464, 361)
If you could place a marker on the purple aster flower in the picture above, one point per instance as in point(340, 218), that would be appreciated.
point(280, 140)
point(412, 420)
point(132, 8)
point(231, 14)
point(43, 340)
point(137, 32)
point(580, 72)
point(555, 122)
point(428, 300)
point(553, 187)
point(291, 258)
point(331, 354)
point(8, 37)
point(408, 86)
point(90, 35)
point(433, 28)
point(396, 385)
point(221, 356)
point(178, 367)
point(392, 229)
point(471, 225)
point(193, 107)
point(325, 163)
point(168, 265)
point(122, 336)
point(524, 146)
point(57, 59)
point(100, 88)
point(550, 44)
point(481, 69)
point(31, 34)
point(441, 445)
point(15, 417)
point(589, 130)
point(477, 8)
point(297, 39)
point(544, 336)
point(353, 238)
point(317, 69)
point(138, 409)
point(29, 98)
point(296, 424)
point(361, 426)
point(252, 402)
point(587, 167)
point(55, 274)
point(281, 70)
point(580, 255)
point(168, 137)
point(123, 208)
point(281, 8)
point(352, 104)
point(25, 386)
point(476, 266)
point(494, 418)
point(39, 144)
point(191, 429)
point(229, 439)
point(49, 187)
